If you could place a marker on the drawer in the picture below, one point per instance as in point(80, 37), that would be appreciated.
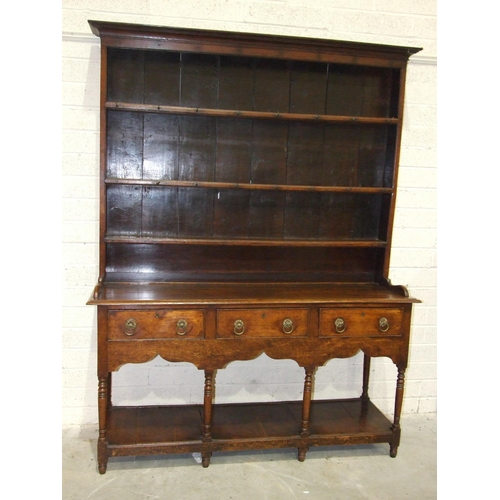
point(355, 322)
point(156, 324)
point(270, 323)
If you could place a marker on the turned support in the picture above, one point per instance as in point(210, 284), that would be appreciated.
point(103, 403)
point(366, 376)
point(396, 428)
point(306, 410)
point(207, 415)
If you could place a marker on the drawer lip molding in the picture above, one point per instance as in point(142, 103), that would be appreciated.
point(361, 321)
point(262, 322)
point(156, 324)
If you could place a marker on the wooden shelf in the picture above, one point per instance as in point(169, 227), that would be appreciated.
point(242, 185)
point(261, 115)
point(178, 429)
point(130, 428)
point(245, 241)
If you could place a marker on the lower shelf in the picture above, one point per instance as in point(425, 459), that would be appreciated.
point(178, 429)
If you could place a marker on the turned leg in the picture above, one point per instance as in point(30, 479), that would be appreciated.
point(366, 376)
point(207, 416)
point(396, 428)
point(306, 410)
point(109, 390)
point(103, 404)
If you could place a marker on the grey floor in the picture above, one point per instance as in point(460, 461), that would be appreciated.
point(344, 472)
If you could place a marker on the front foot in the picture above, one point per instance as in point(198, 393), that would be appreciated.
point(102, 456)
point(302, 454)
point(205, 459)
point(393, 451)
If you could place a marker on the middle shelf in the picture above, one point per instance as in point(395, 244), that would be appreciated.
point(249, 186)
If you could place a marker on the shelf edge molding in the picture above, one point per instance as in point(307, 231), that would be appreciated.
point(250, 186)
point(261, 115)
point(140, 240)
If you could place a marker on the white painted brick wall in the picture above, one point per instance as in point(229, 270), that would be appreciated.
point(414, 241)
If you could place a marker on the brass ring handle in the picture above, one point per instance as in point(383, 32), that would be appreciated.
point(340, 325)
point(239, 327)
point(182, 326)
point(383, 325)
point(288, 326)
point(130, 326)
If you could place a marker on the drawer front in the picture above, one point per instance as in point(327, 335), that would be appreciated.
point(156, 324)
point(356, 322)
point(269, 323)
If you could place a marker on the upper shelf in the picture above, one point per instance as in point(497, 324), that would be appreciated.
point(263, 115)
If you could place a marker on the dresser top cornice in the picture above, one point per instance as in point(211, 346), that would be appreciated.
point(247, 44)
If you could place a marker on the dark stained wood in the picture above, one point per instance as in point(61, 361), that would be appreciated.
point(162, 78)
point(271, 86)
point(336, 217)
point(305, 153)
point(160, 212)
point(266, 215)
point(360, 91)
point(197, 148)
point(231, 214)
point(374, 156)
point(234, 151)
point(301, 210)
point(269, 153)
point(247, 199)
point(125, 72)
point(377, 92)
point(340, 156)
point(199, 80)
point(125, 138)
point(195, 213)
point(124, 210)
point(160, 148)
point(308, 83)
point(236, 83)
